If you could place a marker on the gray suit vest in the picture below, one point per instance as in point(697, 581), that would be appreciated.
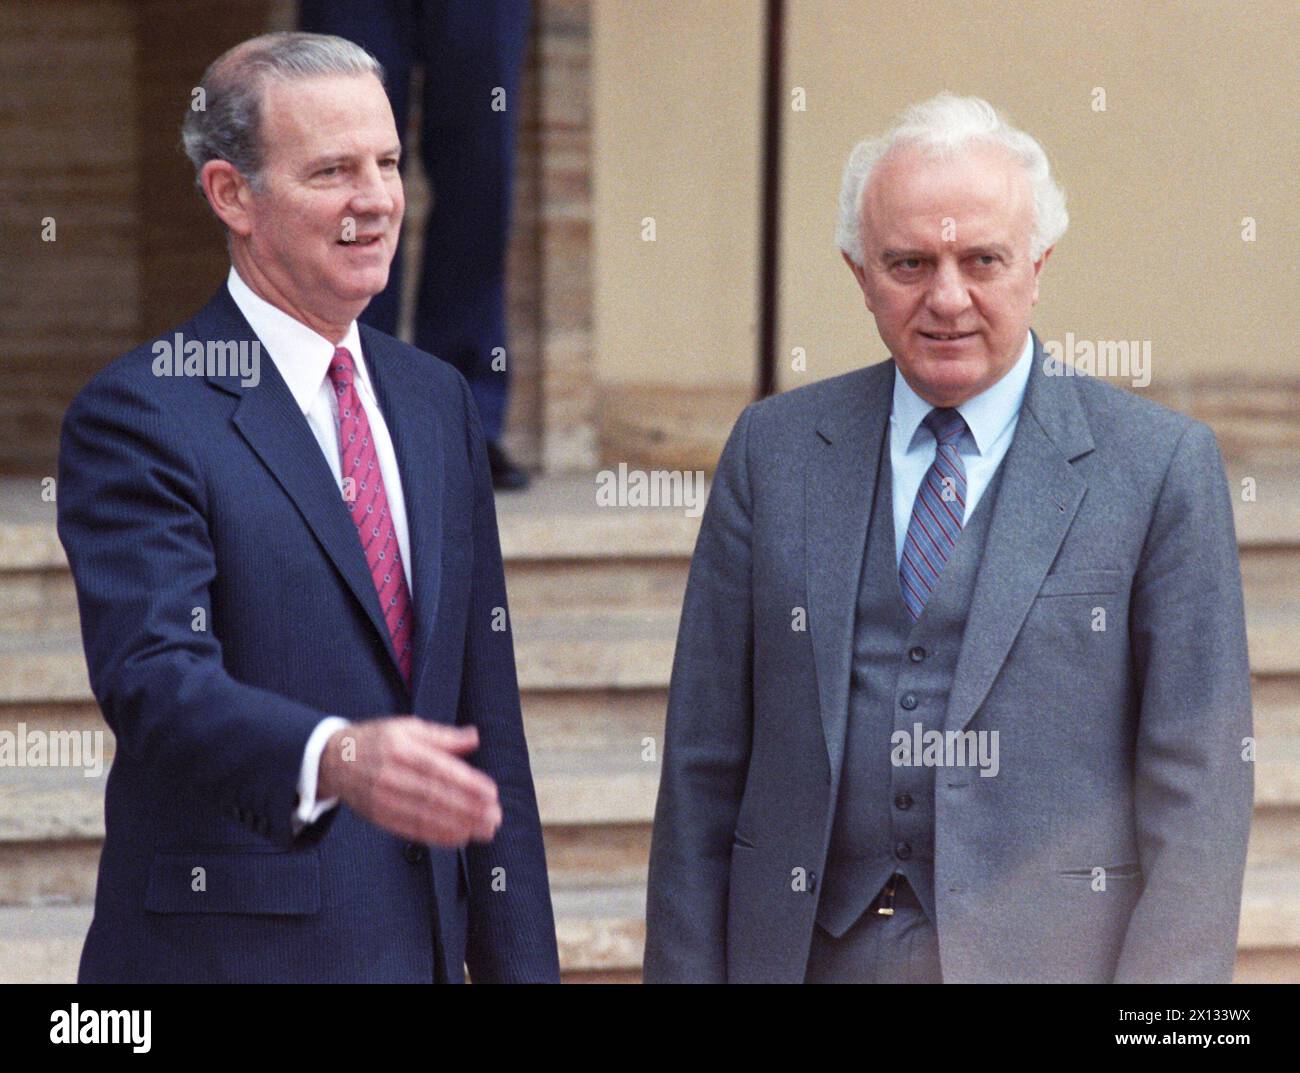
point(902, 672)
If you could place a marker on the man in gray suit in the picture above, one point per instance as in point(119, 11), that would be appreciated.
point(961, 690)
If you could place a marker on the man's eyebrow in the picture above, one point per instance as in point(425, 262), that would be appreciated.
point(966, 251)
point(889, 255)
point(328, 161)
point(333, 159)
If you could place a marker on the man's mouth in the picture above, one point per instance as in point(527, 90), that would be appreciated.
point(947, 337)
point(360, 240)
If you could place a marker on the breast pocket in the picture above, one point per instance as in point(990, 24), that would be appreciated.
point(1082, 583)
point(277, 884)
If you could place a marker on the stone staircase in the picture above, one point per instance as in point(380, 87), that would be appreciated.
point(595, 596)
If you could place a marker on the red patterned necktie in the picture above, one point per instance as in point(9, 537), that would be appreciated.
point(363, 492)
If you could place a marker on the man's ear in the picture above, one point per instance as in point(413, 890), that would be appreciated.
point(1038, 268)
point(229, 195)
point(859, 274)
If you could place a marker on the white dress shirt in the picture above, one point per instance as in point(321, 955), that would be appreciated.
point(302, 358)
point(991, 418)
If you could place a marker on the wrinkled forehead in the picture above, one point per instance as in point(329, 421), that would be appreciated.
point(912, 195)
point(339, 112)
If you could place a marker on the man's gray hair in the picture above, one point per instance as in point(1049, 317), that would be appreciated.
point(943, 126)
point(223, 122)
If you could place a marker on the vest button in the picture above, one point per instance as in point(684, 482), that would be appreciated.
point(908, 701)
point(916, 654)
point(812, 882)
point(903, 850)
point(903, 801)
point(413, 853)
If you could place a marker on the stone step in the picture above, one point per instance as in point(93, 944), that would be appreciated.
point(576, 718)
point(38, 602)
point(555, 535)
point(599, 928)
point(595, 930)
point(1276, 704)
point(43, 603)
point(621, 650)
point(592, 764)
point(63, 871)
point(28, 540)
point(609, 651)
point(613, 650)
point(1272, 519)
point(587, 856)
point(594, 753)
point(1274, 835)
point(564, 554)
point(1270, 906)
point(572, 588)
point(54, 860)
point(558, 517)
point(42, 944)
point(49, 872)
point(1258, 966)
point(602, 929)
point(594, 785)
point(554, 720)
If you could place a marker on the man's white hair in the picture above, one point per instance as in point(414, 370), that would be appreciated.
point(944, 126)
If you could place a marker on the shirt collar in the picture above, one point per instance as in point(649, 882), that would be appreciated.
point(987, 414)
point(301, 356)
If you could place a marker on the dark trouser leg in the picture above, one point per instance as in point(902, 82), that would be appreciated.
point(472, 50)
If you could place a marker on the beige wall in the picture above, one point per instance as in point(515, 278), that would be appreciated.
point(676, 106)
point(1199, 131)
point(677, 90)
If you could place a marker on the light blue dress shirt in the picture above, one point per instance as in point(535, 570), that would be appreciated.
point(991, 418)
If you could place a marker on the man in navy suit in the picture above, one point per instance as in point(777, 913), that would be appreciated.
point(291, 590)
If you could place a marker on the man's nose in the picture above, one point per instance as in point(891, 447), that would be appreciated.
point(374, 193)
point(947, 296)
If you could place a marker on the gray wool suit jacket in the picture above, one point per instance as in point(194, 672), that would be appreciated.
point(1121, 749)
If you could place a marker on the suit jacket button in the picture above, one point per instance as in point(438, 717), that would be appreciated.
point(812, 882)
point(413, 853)
point(916, 654)
point(903, 850)
point(908, 701)
point(903, 801)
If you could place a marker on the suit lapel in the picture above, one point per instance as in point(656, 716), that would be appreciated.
point(1040, 493)
point(406, 396)
point(269, 420)
point(839, 492)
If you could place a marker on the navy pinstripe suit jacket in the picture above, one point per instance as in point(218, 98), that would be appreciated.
point(181, 493)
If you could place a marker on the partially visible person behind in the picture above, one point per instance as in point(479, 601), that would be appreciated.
point(468, 55)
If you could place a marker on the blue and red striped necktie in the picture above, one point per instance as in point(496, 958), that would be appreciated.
point(937, 514)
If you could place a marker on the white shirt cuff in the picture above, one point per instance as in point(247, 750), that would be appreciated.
point(309, 809)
